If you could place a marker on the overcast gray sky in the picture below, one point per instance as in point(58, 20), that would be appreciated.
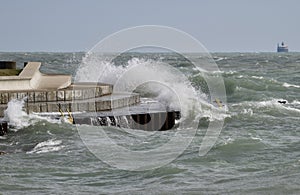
point(220, 25)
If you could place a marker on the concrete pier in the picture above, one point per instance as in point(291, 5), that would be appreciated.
point(75, 98)
point(96, 102)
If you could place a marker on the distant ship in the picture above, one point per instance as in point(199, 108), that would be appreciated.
point(282, 47)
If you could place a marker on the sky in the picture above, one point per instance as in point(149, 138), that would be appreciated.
point(77, 25)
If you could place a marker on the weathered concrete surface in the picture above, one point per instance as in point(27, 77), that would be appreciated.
point(77, 91)
point(96, 104)
point(31, 78)
point(103, 103)
point(77, 97)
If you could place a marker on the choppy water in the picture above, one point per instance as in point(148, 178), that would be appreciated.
point(257, 152)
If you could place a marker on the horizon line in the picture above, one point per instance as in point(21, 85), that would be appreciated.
point(147, 52)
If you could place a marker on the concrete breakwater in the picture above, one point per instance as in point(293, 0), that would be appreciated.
point(75, 98)
point(93, 103)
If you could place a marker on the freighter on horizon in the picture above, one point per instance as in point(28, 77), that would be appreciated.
point(282, 47)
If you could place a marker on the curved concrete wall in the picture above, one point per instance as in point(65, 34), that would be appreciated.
point(42, 81)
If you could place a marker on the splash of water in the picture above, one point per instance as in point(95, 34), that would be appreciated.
point(15, 115)
point(18, 118)
point(169, 86)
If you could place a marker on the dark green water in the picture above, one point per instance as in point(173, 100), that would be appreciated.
point(257, 152)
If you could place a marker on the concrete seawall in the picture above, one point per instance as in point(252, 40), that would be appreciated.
point(74, 91)
point(76, 98)
point(86, 103)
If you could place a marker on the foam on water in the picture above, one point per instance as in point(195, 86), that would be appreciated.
point(51, 145)
point(269, 105)
point(256, 77)
point(219, 58)
point(296, 102)
point(287, 85)
point(248, 111)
